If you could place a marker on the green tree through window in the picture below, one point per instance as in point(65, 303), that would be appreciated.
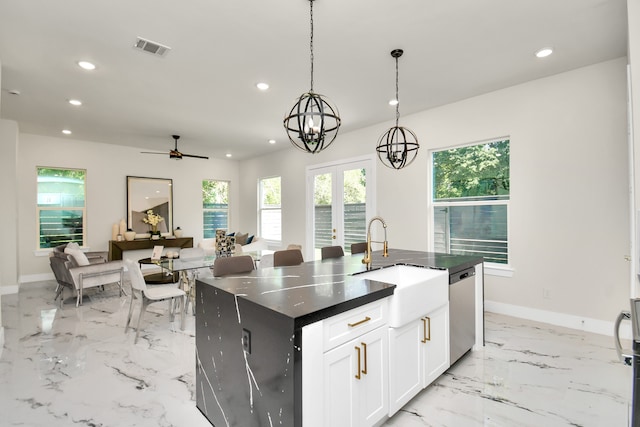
point(471, 190)
point(60, 206)
point(215, 206)
point(471, 172)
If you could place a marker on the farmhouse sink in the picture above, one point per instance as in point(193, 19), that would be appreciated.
point(418, 291)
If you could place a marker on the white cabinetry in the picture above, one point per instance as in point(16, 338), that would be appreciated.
point(418, 354)
point(355, 389)
point(345, 368)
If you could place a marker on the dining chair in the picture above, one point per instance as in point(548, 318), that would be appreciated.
point(294, 246)
point(332, 252)
point(358, 248)
point(233, 265)
point(287, 257)
point(149, 295)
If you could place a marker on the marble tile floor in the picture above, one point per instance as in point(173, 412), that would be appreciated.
point(64, 367)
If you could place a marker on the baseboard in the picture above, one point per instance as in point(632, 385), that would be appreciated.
point(8, 290)
point(37, 277)
point(559, 319)
point(30, 278)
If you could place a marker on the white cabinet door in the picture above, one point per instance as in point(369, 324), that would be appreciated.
point(405, 364)
point(355, 384)
point(418, 354)
point(436, 346)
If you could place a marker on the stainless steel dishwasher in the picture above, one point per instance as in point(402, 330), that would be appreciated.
point(462, 321)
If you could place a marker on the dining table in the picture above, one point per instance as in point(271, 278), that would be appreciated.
point(188, 269)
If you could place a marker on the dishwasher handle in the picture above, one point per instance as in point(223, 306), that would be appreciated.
point(625, 356)
point(461, 275)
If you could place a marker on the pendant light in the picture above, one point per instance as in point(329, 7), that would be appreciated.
point(398, 146)
point(313, 123)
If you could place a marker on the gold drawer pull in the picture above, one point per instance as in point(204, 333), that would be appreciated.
point(366, 319)
point(364, 346)
point(427, 335)
point(358, 372)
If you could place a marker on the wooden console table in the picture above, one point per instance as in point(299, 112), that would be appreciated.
point(116, 248)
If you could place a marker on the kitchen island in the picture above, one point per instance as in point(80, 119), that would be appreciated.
point(258, 353)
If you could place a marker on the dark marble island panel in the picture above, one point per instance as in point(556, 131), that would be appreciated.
point(249, 328)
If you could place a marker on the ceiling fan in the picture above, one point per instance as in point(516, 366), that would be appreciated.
point(175, 154)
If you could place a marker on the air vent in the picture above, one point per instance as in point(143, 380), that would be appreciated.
point(151, 47)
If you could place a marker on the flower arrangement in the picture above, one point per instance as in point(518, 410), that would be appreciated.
point(153, 220)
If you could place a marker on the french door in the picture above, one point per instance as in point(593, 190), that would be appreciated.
point(340, 198)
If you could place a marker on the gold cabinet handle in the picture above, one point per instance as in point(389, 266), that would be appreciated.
point(427, 335)
point(364, 346)
point(366, 319)
point(358, 372)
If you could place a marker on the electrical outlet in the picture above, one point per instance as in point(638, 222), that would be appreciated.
point(546, 293)
point(246, 340)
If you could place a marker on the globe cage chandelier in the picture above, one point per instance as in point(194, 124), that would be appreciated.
point(313, 123)
point(398, 146)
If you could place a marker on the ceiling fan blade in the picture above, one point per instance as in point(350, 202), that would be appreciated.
point(194, 156)
point(152, 152)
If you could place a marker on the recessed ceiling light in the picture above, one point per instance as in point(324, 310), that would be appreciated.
point(544, 52)
point(393, 102)
point(262, 86)
point(86, 65)
point(228, 154)
point(75, 102)
point(66, 131)
point(272, 141)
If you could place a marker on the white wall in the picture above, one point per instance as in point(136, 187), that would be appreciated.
point(9, 213)
point(107, 167)
point(633, 15)
point(569, 200)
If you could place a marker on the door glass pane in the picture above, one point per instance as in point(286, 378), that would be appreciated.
point(322, 199)
point(355, 208)
point(271, 208)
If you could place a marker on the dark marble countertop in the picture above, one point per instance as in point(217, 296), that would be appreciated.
point(316, 290)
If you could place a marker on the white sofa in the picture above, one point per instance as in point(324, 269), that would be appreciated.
point(257, 244)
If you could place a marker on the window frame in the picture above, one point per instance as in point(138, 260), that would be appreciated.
point(268, 208)
point(494, 268)
point(227, 210)
point(40, 209)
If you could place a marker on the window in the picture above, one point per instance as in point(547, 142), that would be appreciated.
point(471, 200)
point(215, 206)
point(270, 209)
point(61, 212)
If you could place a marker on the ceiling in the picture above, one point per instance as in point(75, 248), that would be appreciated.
point(204, 88)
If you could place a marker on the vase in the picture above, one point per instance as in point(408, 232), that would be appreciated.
point(129, 235)
point(177, 232)
point(155, 234)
